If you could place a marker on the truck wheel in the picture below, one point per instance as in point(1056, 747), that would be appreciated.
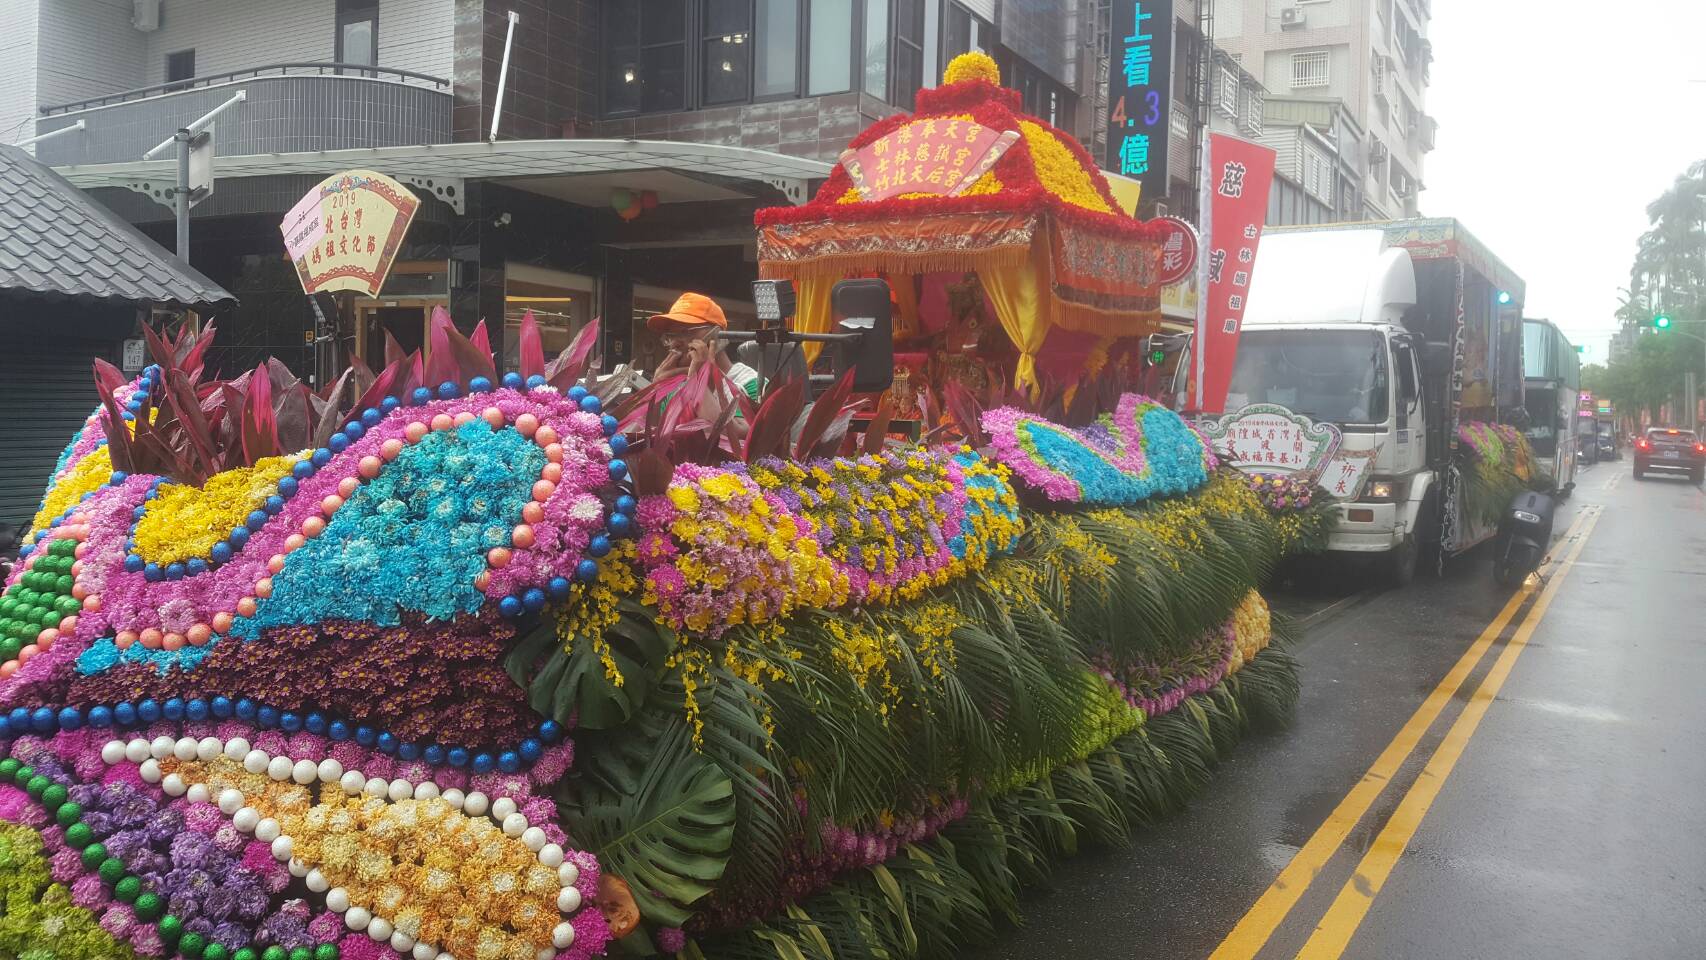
point(1400, 567)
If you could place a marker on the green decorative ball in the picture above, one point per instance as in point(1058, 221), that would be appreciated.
point(274, 952)
point(246, 953)
point(68, 813)
point(149, 906)
point(326, 951)
point(55, 796)
point(301, 953)
point(171, 928)
point(94, 855)
point(9, 648)
point(216, 951)
point(111, 871)
point(50, 618)
point(79, 835)
point(9, 768)
point(23, 774)
point(128, 889)
point(36, 786)
point(191, 945)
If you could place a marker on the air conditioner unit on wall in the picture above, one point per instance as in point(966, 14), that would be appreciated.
point(1377, 153)
point(145, 15)
point(1292, 18)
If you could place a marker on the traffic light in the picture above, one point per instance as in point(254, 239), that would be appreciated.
point(1504, 297)
point(1661, 322)
point(1157, 357)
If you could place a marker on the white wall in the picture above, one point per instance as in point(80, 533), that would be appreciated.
point(417, 35)
point(87, 48)
point(18, 20)
point(234, 34)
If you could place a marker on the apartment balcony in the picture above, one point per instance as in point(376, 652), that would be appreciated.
point(289, 108)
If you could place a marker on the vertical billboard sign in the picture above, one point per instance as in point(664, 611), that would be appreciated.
point(1140, 92)
point(1237, 177)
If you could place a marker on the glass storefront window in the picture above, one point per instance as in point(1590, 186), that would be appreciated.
point(830, 59)
point(877, 48)
point(777, 55)
point(561, 304)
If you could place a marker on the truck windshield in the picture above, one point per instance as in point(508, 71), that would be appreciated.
point(1333, 375)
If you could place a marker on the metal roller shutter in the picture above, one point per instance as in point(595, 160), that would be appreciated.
point(46, 391)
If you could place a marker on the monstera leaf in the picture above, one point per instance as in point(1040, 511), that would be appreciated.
point(661, 816)
point(560, 683)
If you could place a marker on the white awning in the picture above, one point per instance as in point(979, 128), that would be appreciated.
point(548, 167)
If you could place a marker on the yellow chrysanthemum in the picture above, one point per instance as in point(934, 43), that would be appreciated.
point(88, 475)
point(1059, 171)
point(184, 521)
point(975, 65)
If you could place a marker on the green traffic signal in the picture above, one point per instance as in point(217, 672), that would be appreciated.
point(1157, 357)
point(1661, 322)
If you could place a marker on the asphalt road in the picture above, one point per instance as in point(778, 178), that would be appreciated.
point(1551, 804)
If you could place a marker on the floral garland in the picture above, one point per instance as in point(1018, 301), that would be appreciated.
point(1159, 689)
point(1141, 450)
point(746, 545)
point(1282, 493)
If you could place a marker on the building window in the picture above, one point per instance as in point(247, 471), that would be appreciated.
point(180, 68)
point(727, 50)
point(1039, 94)
point(1253, 113)
point(358, 32)
point(908, 51)
point(645, 56)
point(776, 51)
point(1309, 70)
point(877, 48)
point(829, 63)
point(964, 33)
point(1226, 97)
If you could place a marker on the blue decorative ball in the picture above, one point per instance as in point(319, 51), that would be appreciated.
point(483, 763)
point(387, 743)
point(510, 606)
point(273, 504)
point(267, 716)
point(314, 723)
point(338, 730)
point(531, 750)
point(290, 722)
point(591, 404)
point(173, 708)
point(5, 727)
point(509, 761)
point(134, 406)
point(389, 404)
point(140, 511)
point(609, 424)
point(148, 710)
point(365, 736)
point(174, 571)
point(586, 571)
point(238, 537)
point(619, 524)
point(626, 504)
point(246, 708)
point(43, 720)
point(558, 587)
point(152, 573)
point(257, 519)
point(421, 396)
point(408, 751)
point(457, 756)
point(536, 380)
point(448, 390)
point(577, 393)
point(133, 564)
point(599, 545)
point(512, 380)
point(320, 457)
point(196, 710)
point(302, 470)
point(221, 552)
point(124, 714)
point(119, 476)
point(195, 566)
point(533, 600)
point(222, 707)
point(100, 716)
point(479, 385)
point(618, 469)
point(337, 443)
point(287, 487)
point(19, 719)
point(433, 754)
point(70, 718)
point(371, 417)
point(354, 429)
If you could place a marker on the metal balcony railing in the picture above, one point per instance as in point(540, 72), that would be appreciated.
point(389, 74)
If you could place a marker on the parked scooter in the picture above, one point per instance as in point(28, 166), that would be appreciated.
point(1524, 533)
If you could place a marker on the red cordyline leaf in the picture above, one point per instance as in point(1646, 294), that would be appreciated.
point(108, 380)
point(768, 432)
point(472, 360)
point(482, 342)
point(260, 430)
point(571, 365)
point(876, 431)
point(394, 351)
point(824, 412)
point(193, 355)
point(532, 348)
point(440, 361)
point(197, 438)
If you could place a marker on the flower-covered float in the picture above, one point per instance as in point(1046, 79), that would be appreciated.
point(453, 663)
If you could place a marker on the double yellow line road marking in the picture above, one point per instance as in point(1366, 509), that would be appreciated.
point(1348, 910)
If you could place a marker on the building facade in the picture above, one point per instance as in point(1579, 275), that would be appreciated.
point(1371, 56)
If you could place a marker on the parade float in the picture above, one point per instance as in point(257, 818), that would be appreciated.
point(459, 663)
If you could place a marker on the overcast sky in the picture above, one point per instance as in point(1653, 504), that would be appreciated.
point(1558, 122)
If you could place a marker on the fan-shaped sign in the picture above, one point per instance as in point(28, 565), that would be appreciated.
point(344, 234)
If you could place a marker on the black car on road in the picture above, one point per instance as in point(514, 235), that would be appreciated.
point(1670, 449)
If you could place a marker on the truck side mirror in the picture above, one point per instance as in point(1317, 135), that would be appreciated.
point(865, 309)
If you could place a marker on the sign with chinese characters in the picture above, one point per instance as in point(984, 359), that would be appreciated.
point(1268, 438)
point(345, 232)
point(131, 361)
point(1140, 91)
point(939, 155)
point(1237, 177)
point(1178, 250)
point(1346, 473)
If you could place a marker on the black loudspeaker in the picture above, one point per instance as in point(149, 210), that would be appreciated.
point(863, 307)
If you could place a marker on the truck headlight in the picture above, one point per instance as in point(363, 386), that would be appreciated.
point(1381, 490)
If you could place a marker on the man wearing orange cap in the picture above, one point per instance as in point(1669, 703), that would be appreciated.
point(686, 331)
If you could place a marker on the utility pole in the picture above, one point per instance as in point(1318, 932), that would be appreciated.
point(192, 137)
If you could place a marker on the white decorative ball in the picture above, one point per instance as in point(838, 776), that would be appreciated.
point(568, 900)
point(174, 785)
point(424, 951)
point(230, 801)
point(246, 819)
point(474, 804)
point(136, 750)
point(337, 899)
point(514, 825)
point(454, 797)
point(150, 770)
point(426, 790)
point(545, 953)
point(296, 867)
point(568, 874)
point(162, 747)
point(282, 848)
point(563, 935)
point(401, 790)
point(402, 942)
point(534, 839)
point(551, 855)
point(379, 929)
point(305, 772)
point(378, 788)
point(186, 749)
point(357, 918)
point(208, 748)
point(352, 782)
point(113, 752)
point(316, 881)
point(255, 761)
point(267, 830)
point(236, 748)
point(502, 807)
point(279, 768)
point(330, 770)
point(197, 793)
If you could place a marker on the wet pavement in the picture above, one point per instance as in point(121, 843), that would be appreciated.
point(1555, 808)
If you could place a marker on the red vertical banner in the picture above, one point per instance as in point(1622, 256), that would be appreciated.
point(1237, 177)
